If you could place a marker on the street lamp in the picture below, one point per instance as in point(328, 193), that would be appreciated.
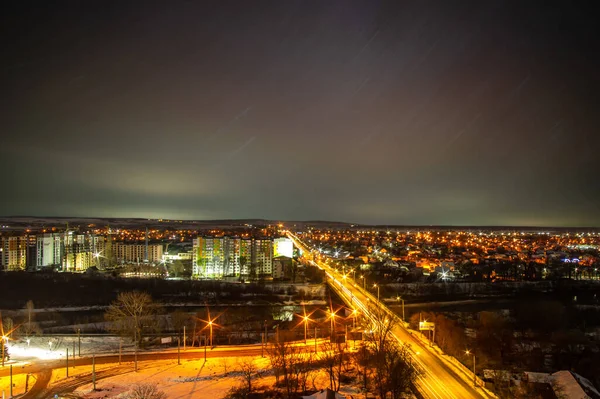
point(332, 318)
point(364, 282)
point(305, 328)
point(210, 324)
point(4, 339)
point(398, 298)
point(474, 375)
point(376, 286)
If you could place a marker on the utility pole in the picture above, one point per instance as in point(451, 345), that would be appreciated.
point(403, 318)
point(94, 370)
point(67, 362)
point(266, 336)
point(346, 337)
point(79, 339)
point(135, 349)
point(11, 382)
point(305, 328)
point(73, 354)
point(120, 349)
point(184, 338)
point(474, 375)
point(178, 352)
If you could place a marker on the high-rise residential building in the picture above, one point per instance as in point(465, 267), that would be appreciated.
point(49, 250)
point(68, 251)
point(79, 251)
point(245, 258)
point(136, 253)
point(208, 257)
point(31, 255)
point(262, 256)
point(218, 257)
point(13, 252)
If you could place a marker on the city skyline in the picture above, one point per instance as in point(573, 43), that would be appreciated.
point(364, 112)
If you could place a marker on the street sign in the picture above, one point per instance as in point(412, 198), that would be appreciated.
point(167, 340)
point(426, 326)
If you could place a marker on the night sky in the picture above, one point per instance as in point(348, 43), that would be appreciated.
point(443, 113)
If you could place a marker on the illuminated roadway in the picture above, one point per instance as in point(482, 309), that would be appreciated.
point(436, 380)
point(43, 369)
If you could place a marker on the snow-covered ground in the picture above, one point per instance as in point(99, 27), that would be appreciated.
point(212, 378)
point(18, 385)
point(55, 347)
point(192, 379)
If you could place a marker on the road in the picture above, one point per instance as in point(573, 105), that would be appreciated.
point(437, 379)
point(43, 369)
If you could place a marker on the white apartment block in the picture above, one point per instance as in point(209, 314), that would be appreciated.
point(49, 250)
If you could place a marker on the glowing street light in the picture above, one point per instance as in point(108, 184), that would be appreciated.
point(376, 286)
point(4, 340)
point(332, 318)
point(474, 375)
point(210, 321)
point(398, 298)
point(305, 328)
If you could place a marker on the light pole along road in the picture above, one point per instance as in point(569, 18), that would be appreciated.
point(436, 380)
point(43, 369)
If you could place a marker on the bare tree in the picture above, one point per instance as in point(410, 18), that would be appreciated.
point(289, 363)
point(395, 372)
point(132, 314)
point(249, 372)
point(392, 368)
point(278, 354)
point(303, 370)
point(146, 391)
point(30, 326)
point(362, 359)
point(225, 365)
point(332, 360)
point(8, 326)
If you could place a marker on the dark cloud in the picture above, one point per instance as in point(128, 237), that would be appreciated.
point(374, 112)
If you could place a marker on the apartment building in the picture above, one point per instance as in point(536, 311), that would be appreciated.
point(136, 253)
point(13, 252)
point(218, 257)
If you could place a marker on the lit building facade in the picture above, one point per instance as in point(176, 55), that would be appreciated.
point(136, 253)
point(79, 251)
point(49, 250)
point(262, 256)
point(13, 253)
point(218, 257)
